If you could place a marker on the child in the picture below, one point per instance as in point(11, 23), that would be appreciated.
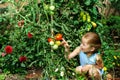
point(90, 61)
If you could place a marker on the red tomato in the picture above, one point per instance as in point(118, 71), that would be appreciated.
point(58, 37)
point(50, 39)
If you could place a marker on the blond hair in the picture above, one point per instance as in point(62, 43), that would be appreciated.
point(93, 39)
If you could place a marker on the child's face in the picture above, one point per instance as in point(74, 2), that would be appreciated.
point(85, 46)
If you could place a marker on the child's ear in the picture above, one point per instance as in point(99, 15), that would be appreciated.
point(93, 49)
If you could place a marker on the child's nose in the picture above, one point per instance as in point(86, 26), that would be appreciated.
point(81, 45)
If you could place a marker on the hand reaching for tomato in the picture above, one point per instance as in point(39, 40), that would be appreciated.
point(65, 44)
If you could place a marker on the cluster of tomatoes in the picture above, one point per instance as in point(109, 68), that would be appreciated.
point(55, 42)
point(87, 18)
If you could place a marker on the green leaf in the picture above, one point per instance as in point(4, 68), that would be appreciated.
point(22, 65)
point(88, 2)
point(2, 76)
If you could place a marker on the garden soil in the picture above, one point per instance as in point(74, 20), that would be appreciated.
point(37, 74)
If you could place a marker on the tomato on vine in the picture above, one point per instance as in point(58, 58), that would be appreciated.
point(58, 37)
point(49, 39)
point(58, 43)
point(84, 18)
point(52, 7)
point(94, 24)
point(51, 43)
point(55, 46)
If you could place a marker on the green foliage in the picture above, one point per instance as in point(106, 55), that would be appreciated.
point(2, 76)
point(45, 19)
point(111, 53)
point(115, 4)
point(109, 58)
point(113, 22)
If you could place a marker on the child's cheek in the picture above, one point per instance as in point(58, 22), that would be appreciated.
point(81, 48)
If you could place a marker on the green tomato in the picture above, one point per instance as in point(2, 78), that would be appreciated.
point(52, 7)
point(55, 46)
point(84, 18)
point(81, 13)
point(88, 18)
point(51, 43)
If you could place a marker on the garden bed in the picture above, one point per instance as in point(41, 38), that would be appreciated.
point(33, 74)
point(36, 74)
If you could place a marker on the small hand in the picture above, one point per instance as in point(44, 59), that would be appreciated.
point(65, 44)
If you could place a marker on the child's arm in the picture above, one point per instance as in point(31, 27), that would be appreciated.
point(74, 53)
point(69, 54)
point(99, 62)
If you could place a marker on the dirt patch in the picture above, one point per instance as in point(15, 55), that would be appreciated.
point(36, 74)
point(15, 77)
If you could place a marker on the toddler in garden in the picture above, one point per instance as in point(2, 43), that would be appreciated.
point(90, 61)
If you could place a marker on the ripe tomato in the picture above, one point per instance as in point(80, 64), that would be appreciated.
point(49, 39)
point(58, 37)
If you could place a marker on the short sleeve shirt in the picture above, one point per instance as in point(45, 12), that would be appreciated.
point(85, 60)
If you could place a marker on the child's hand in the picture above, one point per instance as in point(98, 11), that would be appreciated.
point(65, 44)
